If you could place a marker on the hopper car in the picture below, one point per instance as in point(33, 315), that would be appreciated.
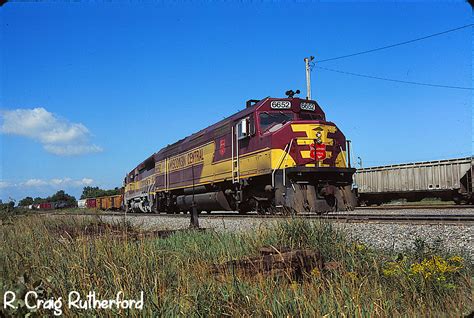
point(448, 180)
point(277, 155)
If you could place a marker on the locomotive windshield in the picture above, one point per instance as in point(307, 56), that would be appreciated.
point(271, 119)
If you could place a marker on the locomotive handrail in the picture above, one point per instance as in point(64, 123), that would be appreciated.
point(282, 157)
point(344, 156)
point(284, 168)
point(235, 159)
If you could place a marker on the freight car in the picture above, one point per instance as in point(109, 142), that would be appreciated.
point(445, 179)
point(51, 205)
point(276, 155)
point(112, 202)
point(81, 204)
point(46, 206)
point(91, 203)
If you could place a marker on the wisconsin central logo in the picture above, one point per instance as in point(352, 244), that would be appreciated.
point(222, 147)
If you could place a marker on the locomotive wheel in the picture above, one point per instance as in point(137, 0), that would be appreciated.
point(332, 202)
point(248, 205)
point(244, 208)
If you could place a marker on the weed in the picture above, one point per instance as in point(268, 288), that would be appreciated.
point(63, 254)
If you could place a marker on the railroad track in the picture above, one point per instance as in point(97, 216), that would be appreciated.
point(342, 217)
point(405, 218)
point(415, 207)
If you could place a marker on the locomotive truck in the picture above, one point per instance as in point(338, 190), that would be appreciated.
point(278, 155)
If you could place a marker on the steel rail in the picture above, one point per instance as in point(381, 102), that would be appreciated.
point(415, 207)
point(346, 217)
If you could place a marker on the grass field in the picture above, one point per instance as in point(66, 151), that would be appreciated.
point(55, 256)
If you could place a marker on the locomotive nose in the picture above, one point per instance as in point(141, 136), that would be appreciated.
point(320, 144)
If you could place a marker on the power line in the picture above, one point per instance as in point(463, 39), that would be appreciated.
point(394, 45)
point(393, 80)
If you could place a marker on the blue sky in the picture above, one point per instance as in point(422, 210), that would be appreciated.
point(118, 81)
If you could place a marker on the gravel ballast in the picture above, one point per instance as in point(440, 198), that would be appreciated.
point(392, 236)
point(417, 211)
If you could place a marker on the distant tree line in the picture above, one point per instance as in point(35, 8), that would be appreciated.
point(94, 192)
point(7, 207)
point(59, 196)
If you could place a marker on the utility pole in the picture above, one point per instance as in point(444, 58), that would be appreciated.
point(307, 60)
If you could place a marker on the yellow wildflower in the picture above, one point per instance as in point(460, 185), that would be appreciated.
point(315, 273)
point(436, 266)
point(456, 259)
point(294, 286)
point(392, 269)
point(352, 275)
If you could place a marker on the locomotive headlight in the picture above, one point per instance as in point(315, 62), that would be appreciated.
point(318, 140)
point(318, 134)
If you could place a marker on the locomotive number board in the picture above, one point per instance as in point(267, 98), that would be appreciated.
point(280, 104)
point(308, 106)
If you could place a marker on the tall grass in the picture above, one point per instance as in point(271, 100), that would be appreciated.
point(60, 255)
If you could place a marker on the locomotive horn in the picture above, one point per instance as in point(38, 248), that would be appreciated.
point(291, 93)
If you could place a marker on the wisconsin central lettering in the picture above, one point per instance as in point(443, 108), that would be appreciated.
point(187, 159)
point(195, 156)
point(177, 162)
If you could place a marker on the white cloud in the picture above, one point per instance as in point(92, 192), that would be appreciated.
point(87, 181)
point(57, 182)
point(57, 135)
point(71, 150)
point(4, 184)
point(34, 183)
point(53, 183)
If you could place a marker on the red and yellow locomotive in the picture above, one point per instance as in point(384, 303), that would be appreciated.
point(278, 154)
